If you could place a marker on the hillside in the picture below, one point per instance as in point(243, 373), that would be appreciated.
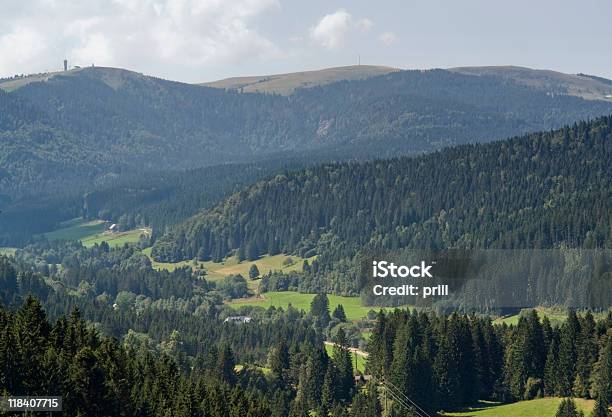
point(96, 122)
point(544, 190)
point(75, 133)
point(580, 85)
point(286, 84)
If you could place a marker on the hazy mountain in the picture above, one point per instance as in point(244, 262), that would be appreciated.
point(287, 83)
point(91, 123)
point(66, 134)
point(580, 85)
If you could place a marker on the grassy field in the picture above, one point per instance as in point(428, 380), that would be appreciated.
point(543, 407)
point(90, 232)
point(231, 266)
point(286, 83)
point(116, 239)
point(76, 229)
point(361, 361)
point(352, 305)
point(556, 315)
point(7, 251)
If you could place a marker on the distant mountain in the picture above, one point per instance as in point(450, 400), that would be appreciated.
point(580, 85)
point(94, 123)
point(66, 134)
point(287, 83)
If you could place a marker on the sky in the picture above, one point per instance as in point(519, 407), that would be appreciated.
point(205, 40)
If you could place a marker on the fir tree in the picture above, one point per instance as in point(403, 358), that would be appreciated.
point(253, 272)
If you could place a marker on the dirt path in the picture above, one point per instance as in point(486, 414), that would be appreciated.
point(351, 349)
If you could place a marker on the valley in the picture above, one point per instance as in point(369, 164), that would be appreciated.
point(199, 246)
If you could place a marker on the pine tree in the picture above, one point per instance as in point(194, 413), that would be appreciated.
point(319, 308)
point(253, 272)
point(601, 407)
point(339, 313)
point(603, 369)
point(551, 368)
point(586, 356)
point(404, 368)
point(87, 394)
point(379, 358)
point(567, 408)
point(343, 363)
point(329, 394)
point(31, 336)
point(568, 354)
point(226, 364)
point(299, 409)
point(279, 360)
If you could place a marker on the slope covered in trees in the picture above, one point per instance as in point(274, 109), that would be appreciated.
point(84, 131)
point(537, 191)
point(98, 121)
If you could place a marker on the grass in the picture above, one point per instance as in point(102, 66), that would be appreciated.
point(90, 232)
point(76, 229)
point(231, 266)
point(115, 239)
point(361, 361)
point(286, 83)
point(7, 251)
point(265, 370)
point(352, 305)
point(543, 407)
point(556, 315)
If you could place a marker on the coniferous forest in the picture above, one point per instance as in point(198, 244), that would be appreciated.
point(223, 184)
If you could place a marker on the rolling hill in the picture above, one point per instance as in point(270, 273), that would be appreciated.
point(286, 84)
point(586, 86)
point(98, 122)
point(65, 135)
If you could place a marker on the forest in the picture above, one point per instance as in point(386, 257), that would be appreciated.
point(101, 128)
point(147, 328)
point(438, 362)
point(544, 190)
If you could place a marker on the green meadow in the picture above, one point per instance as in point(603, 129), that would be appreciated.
point(352, 305)
point(556, 315)
point(90, 232)
point(7, 251)
point(543, 407)
point(231, 265)
point(358, 359)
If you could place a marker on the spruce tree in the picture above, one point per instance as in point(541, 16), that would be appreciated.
point(339, 313)
point(279, 360)
point(343, 363)
point(319, 308)
point(568, 354)
point(567, 408)
point(226, 364)
point(601, 407)
point(253, 272)
point(603, 369)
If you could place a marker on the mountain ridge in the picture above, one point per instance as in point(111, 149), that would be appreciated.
point(287, 83)
point(580, 85)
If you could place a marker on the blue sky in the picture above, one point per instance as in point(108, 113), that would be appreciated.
point(203, 40)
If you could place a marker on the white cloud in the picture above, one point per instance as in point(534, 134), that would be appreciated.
point(331, 30)
point(387, 38)
point(364, 25)
point(163, 37)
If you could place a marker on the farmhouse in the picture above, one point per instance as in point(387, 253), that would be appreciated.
point(238, 319)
